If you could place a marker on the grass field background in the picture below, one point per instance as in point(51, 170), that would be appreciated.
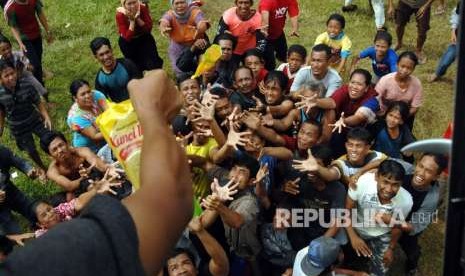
point(76, 23)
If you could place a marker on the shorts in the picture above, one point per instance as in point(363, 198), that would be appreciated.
point(404, 12)
point(25, 141)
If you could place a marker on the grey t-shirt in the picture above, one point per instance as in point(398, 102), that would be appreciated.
point(331, 81)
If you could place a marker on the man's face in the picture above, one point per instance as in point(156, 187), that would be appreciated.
point(5, 50)
point(199, 129)
point(104, 55)
point(240, 175)
point(181, 265)
point(243, 8)
point(273, 93)
point(254, 143)
point(307, 136)
point(357, 150)
point(223, 108)
point(9, 77)
point(426, 171)
point(388, 187)
point(46, 216)
point(190, 90)
point(226, 49)
point(58, 149)
point(319, 63)
point(244, 81)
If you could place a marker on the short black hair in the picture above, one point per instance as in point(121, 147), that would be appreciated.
point(98, 42)
point(339, 18)
point(227, 36)
point(322, 48)
point(47, 139)
point(410, 55)
point(219, 91)
point(253, 52)
point(75, 85)
point(400, 106)
point(360, 134)
point(249, 162)
point(279, 77)
point(324, 153)
point(240, 68)
point(4, 64)
point(313, 122)
point(391, 168)
point(383, 35)
point(176, 252)
point(363, 72)
point(183, 77)
point(439, 159)
point(298, 49)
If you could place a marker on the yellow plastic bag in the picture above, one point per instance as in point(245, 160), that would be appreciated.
point(122, 131)
point(208, 60)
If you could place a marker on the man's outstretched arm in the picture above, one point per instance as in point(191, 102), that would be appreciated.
point(162, 207)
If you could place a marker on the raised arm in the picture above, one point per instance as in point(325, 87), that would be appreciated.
point(164, 176)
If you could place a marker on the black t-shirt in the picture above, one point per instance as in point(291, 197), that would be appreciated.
point(101, 241)
point(417, 196)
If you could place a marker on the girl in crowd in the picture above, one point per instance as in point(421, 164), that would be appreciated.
point(401, 86)
point(135, 40)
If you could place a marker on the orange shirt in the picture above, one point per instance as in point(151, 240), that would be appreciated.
point(244, 31)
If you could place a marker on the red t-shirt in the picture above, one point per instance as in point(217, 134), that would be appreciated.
point(23, 18)
point(278, 10)
point(347, 105)
point(123, 24)
point(261, 75)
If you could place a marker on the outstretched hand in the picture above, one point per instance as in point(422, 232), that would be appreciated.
point(224, 193)
point(236, 138)
point(339, 124)
point(308, 165)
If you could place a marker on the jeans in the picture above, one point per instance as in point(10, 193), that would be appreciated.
point(378, 9)
point(18, 202)
point(446, 60)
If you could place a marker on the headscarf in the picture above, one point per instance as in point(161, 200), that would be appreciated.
point(123, 10)
point(187, 14)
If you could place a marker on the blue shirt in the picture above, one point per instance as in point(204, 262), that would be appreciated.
point(387, 65)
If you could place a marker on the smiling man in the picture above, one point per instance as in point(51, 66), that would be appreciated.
point(112, 79)
point(424, 189)
point(318, 71)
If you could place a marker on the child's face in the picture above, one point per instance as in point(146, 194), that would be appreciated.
point(295, 62)
point(46, 216)
point(393, 119)
point(381, 47)
point(334, 28)
point(8, 77)
point(254, 63)
point(273, 92)
point(5, 50)
point(405, 67)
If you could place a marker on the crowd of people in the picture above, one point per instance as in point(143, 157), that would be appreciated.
point(293, 170)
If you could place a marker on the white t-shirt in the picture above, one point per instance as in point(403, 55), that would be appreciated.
point(368, 202)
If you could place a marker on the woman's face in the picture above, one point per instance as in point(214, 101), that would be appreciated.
point(180, 6)
point(393, 119)
point(84, 96)
point(405, 67)
point(131, 6)
point(46, 216)
point(357, 86)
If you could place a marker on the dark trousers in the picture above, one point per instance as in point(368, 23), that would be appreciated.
point(34, 54)
point(15, 201)
point(412, 250)
point(142, 51)
point(275, 49)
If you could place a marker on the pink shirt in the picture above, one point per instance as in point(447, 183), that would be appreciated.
point(244, 31)
point(388, 91)
point(66, 211)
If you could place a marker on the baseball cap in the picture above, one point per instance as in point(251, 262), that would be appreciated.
point(321, 253)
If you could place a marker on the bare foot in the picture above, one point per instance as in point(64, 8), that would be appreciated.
point(433, 77)
point(421, 58)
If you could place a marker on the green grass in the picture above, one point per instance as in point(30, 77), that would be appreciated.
point(69, 57)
